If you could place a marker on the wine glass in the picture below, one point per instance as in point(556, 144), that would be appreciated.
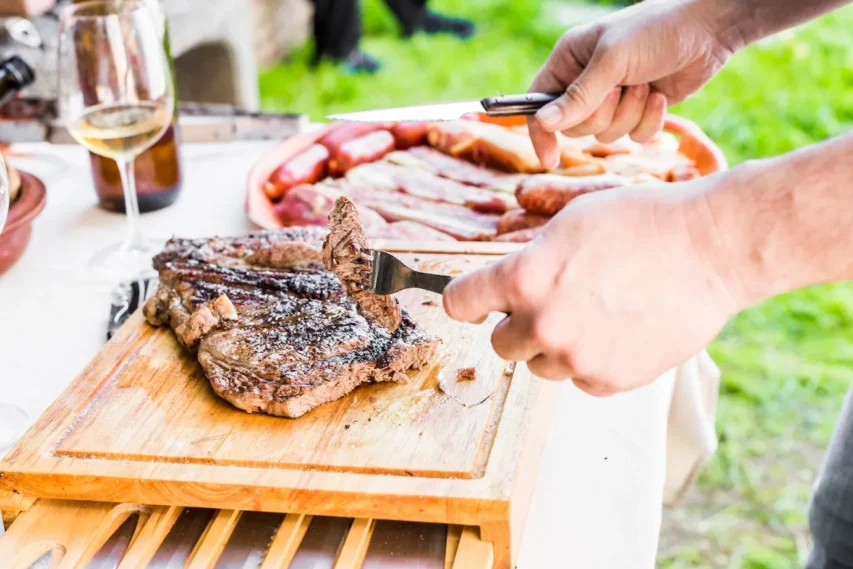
point(13, 420)
point(116, 97)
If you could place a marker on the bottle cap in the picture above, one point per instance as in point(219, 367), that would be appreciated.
point(21, 71)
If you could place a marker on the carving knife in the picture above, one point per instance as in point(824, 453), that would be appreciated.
point(37, 120)
point(500, 106)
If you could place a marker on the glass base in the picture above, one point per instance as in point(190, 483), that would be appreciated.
point(120, 262)
point(13, 422)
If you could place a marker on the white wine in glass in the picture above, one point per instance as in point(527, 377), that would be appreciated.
point(117, 99)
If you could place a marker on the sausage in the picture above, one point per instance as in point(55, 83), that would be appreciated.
point(546, 194)
point(345, 131)
point(408, 134)
point(367, 148)
point(520, 236)
point(517, 219)
point(307, 167)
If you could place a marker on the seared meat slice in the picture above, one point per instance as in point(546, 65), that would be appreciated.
point(274, 331)
point(344, 252)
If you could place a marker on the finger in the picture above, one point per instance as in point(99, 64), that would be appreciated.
point(548, 367)
point(512, 340)
point(600, 119)
point(545, 144)
point(594, 389)
point(471, 297)
point(653, 117)
point(628, 114)
point(584, 95)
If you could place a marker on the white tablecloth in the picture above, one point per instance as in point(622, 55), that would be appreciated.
point(605, 471)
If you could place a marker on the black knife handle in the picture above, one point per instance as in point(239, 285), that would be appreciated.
point(511, 105)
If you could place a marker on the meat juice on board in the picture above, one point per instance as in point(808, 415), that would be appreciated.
point(158, 169)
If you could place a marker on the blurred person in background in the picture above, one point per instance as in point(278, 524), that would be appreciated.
point(625, 284)
point(337, 29)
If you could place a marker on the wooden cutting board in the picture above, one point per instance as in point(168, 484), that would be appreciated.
point(141, 424)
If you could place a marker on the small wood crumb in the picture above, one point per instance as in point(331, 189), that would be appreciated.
point(429, 302)
point(509, 368)
point(346, 426)
point(466, 374)
point(417, 260)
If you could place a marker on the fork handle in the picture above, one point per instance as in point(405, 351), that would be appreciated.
point(430, 281)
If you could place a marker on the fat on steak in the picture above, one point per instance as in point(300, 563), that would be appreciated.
point(273, 330)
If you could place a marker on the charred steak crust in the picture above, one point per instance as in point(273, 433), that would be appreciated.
point(344, 252)
point(273, 331)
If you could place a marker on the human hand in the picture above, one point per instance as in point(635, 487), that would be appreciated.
point(621, 286)
point(620, 72)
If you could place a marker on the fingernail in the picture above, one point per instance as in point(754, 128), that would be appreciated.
point(550, 115)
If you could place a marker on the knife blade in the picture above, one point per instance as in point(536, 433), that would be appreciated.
point(37, 120)
point(500, 106)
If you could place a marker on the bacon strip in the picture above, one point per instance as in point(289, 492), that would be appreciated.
point(410, 231)
point(455, 169)
point(520, 236)
point(451, 138)
point(311, 205)
point(459, 221)
point(425, 185)
point(546, 194)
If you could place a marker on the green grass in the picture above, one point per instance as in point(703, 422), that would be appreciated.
point(787, 362)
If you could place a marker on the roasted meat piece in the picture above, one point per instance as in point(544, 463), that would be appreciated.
point(273, 330)
point(345, 253)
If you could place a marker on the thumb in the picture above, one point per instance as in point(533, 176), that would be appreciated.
point(471, 297)
point(584, 95)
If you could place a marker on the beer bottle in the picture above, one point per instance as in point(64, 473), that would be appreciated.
point(158, 169)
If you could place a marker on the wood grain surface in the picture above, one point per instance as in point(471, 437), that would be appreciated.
point(141, 425)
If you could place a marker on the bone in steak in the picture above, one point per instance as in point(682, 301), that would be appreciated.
point(345, 252)
point(273, 330)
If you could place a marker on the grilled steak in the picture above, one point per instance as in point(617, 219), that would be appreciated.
point(344, 253)
point(273, 330)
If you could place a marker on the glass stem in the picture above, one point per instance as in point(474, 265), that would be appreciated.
point(131, 205)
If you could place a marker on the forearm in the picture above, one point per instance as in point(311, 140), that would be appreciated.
point(783, 223)
point(739, 23)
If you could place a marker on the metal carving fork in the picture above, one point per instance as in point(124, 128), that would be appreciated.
point(388, 275)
